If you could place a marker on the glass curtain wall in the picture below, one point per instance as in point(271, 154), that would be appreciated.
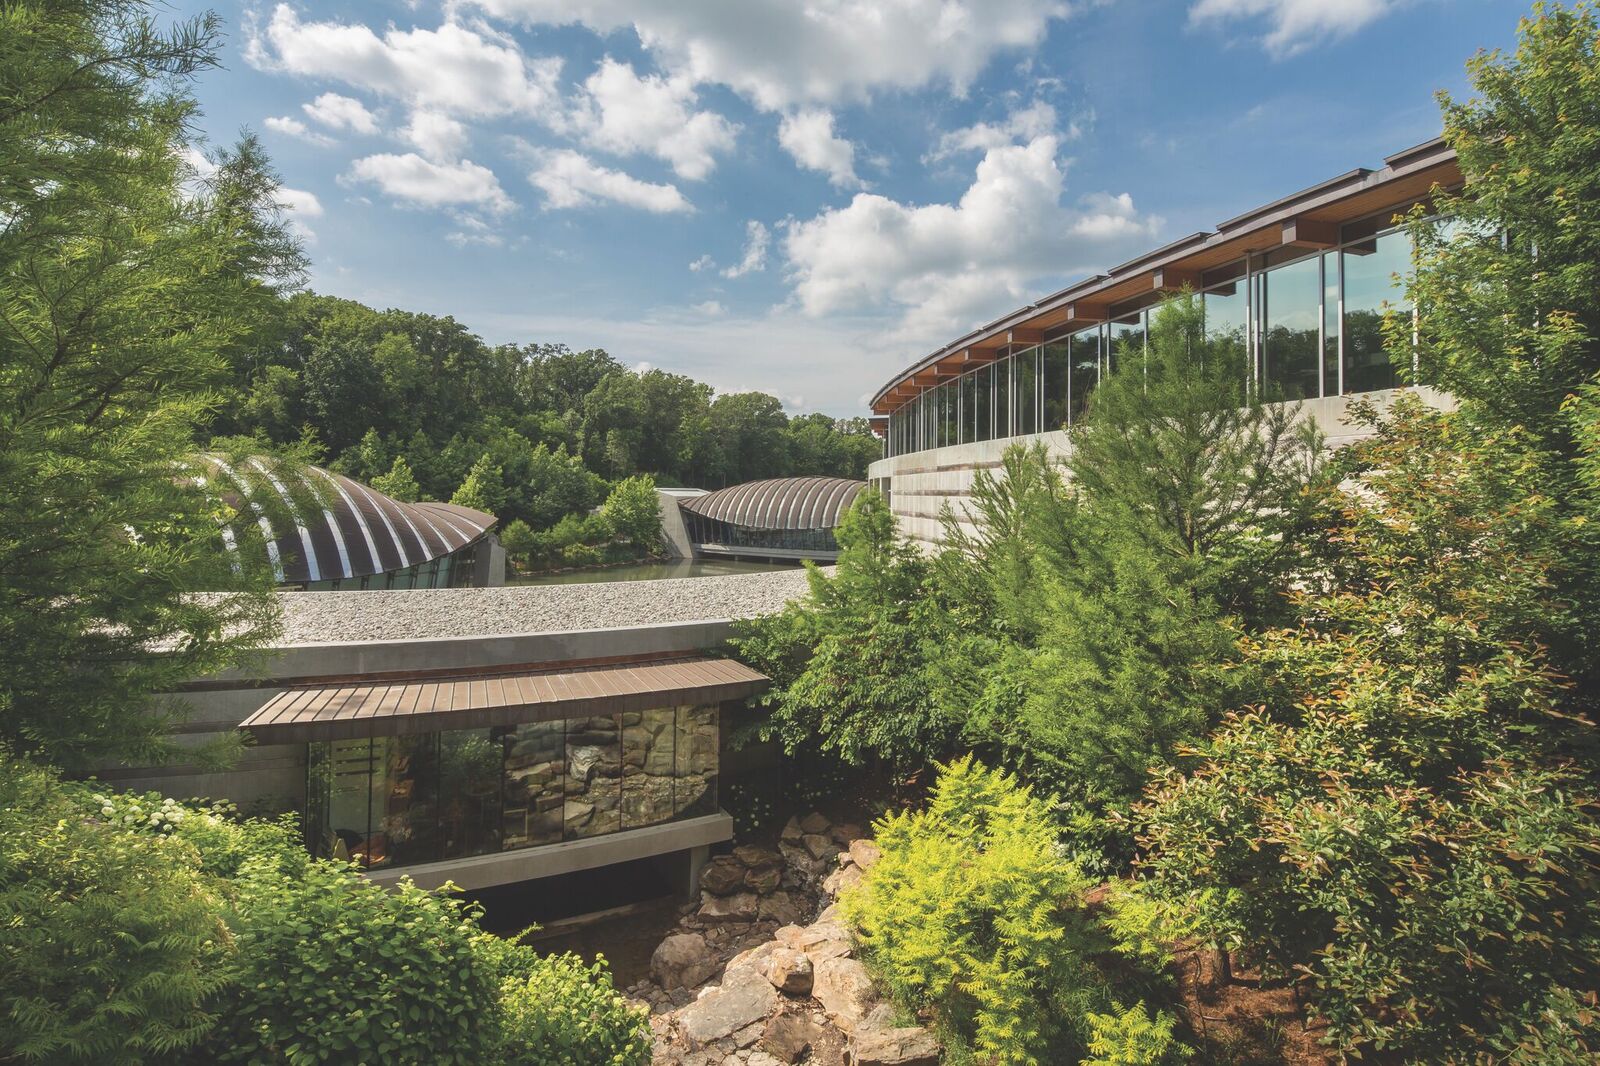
point(1310, 325)
point(397, 801)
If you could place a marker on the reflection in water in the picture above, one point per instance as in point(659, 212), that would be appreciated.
point(651, 571)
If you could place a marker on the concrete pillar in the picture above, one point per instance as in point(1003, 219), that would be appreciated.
point(674, 533)
point(698, 857)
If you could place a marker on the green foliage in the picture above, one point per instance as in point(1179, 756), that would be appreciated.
point(399, 483)
point(1133, 1038)
point(973, 910)
point(565, 1013)
point(112, 943)
point(633, 511)
point(482, 490)
point(1399, 820)
point(848, 662)
point(130, 284)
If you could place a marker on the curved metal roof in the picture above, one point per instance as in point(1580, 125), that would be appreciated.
point(319, 526)
point(779, 503)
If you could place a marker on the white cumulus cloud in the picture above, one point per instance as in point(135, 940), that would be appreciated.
point(1038, 119)
point(782, 54)
point(947, 267)
point(341, 113)
point(757, 238)
point(621, 112)
point(808, 136)
point(438, 137)
point(570, 179)
point(470, 71)
point(299, 207)
point(293, 127)
point(1295, 25)
point(415, 181)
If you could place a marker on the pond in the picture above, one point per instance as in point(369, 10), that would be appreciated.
point(651, 571)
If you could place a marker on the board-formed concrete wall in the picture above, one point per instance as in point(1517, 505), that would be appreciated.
point(920, 484)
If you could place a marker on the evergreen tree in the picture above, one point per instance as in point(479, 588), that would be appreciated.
point(399, 483)
point(128, 277)
point(482, 490)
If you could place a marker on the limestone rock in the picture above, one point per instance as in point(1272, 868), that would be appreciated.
point(722, 876)
point(763, 880)
point(814, 822)
point(841, 879)
point(864, 853)
point(788, 1037)
point(682, 960)
point(844, 989)
point(792, 832)
point(757, 858)
point(790, 972)
point(818, 847)
point(911, 1046)
point(779, 907)
point(739, 907)
point(721, 1012)
point(845, 832)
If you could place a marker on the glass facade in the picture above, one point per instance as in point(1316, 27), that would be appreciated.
point(398, 801)
point(1310, 324)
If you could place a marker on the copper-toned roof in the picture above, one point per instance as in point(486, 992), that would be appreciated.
point(779, 503)
point(424, 705)
point(320, 525)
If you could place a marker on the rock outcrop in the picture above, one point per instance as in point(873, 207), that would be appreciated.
point(789, 990)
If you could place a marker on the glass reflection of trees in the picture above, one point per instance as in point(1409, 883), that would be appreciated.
point(385, 801)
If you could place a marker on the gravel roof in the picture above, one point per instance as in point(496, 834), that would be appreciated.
point(343, 617)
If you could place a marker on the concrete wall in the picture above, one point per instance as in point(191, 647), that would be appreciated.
point(920, 484)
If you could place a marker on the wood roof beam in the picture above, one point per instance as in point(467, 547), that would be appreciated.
point(1310, 233)
point(1174, 279)
point(1087, 312)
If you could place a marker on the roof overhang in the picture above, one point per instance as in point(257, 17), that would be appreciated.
point(425, 705)
point(1306, 219)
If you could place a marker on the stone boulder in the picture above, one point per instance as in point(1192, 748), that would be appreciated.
point(844, 988)
point(763, 880)
point(817, 846)
point(682, 960)
point(910, 1046)
point(757, 858)
point(722, 876)
point(815, 822)
point(844, 833)
point(790, 971)
point(788, 1037)
point(779, 907)
point(864, 853)
point(842, 878)
point(739, 907)
point(721, 1012)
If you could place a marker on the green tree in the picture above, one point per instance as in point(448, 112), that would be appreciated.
point(1183, 484)
point(633, 511)
point(399, 483)
point(127, 279)
point(848, 662)
point(482, 490)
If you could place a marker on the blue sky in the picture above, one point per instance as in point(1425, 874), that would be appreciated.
point(800, 197)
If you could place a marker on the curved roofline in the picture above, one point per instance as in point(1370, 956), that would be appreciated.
point(785, 503)
point(1407, 176)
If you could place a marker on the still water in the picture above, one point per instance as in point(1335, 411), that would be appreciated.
point(651, 571)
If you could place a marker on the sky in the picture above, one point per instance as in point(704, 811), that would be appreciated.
point(800, 196)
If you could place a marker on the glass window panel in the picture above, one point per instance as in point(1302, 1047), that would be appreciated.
point(346, 784)
point(1369, 283)
point(1291, 321)
point(969, 408)
point(410, 822)
point(951, 433)
point(983, 427)
point(594, 776)
point(535, 784)
point(1025, 371)
point(1057, 360)
point(649, 744)
point(1085, 348)
point(470, 774)
point(1225, 318)
point(1002, 399)
point(1330, 323)
point(1127, 341)
point(695, 761)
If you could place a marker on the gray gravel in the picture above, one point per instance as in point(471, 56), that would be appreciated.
point(342, 617)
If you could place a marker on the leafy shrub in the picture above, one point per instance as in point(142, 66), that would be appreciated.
point(974, 911)
point(565, 1013)
point(112, 944)
point(1132, 1038)
point(633, 512)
